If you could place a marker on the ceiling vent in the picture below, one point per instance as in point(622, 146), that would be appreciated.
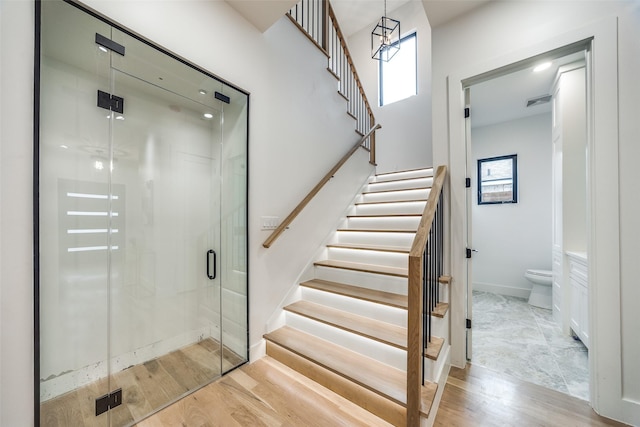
point(539, 100)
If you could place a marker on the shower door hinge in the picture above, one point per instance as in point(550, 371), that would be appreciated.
point(223, 98)
point(108, 401)
point(468, 323)
point(109, 44)
point(467, 112)
point(467, 182)
point(110, 102)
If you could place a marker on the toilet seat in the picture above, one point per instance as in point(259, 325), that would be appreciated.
point(541, 273)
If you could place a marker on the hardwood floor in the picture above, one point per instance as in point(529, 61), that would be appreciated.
point(476, 396)
point(145, 387)
point(267, 393)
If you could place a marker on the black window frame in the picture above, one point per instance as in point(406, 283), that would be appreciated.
point(514, 179)
point(414, 35)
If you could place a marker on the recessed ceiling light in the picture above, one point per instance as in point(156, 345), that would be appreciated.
point(119, 117)
point(64, 146)
point(202, 92)
point(102, 48)
point(208, 115)
point(542, 67)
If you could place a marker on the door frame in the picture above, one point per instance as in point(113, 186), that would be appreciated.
point(605, 365)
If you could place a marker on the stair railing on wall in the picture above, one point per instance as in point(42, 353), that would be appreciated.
point(316, 19)
point(425, 273)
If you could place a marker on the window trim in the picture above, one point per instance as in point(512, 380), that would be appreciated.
point(514, 179)
point(412, 34)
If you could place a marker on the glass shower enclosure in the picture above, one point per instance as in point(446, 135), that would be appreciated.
point(141, 281)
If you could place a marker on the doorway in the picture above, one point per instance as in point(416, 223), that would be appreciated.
point(141, 282)
point(521, 328)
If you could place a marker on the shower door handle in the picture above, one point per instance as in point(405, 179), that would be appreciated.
point(209, 253)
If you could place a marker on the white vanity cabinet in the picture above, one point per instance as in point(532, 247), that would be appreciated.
point(578, 278)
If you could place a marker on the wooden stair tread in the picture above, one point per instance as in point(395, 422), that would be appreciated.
point(385, 333)
point(400, 179)
point(367, 268)
point(365, 247)
point(434, 347)
point(372, 295)
point(428, 392)
point(405, 171)
point(376, 230)
point(369, 373)
point(445, 280)
point(391, 201)
point(397, 190)
point(394, 215)
point(440, 310)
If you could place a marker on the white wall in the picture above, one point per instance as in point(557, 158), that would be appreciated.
point(404, 142)
point(511, 238)
point(298, 130)
point(500, 33)
point(629, 67)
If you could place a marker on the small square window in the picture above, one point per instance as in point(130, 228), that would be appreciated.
point(398, 77)
point(498, 180)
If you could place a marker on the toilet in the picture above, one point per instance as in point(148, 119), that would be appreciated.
point(541, 291)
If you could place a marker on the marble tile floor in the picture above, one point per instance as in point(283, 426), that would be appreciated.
point(514, 338)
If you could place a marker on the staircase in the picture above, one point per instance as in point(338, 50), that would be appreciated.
point(348, 331)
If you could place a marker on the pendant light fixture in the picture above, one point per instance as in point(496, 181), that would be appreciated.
point(385, 38)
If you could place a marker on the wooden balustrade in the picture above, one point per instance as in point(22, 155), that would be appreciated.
point(425, 270)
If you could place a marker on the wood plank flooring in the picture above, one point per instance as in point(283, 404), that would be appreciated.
point(476, 396)
point(267, 393)
point(145, 387)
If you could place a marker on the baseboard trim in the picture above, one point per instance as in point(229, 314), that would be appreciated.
point(502, 290)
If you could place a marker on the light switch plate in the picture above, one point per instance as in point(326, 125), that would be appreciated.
point(270, 222)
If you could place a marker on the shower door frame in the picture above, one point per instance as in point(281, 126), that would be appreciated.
point(36, 184)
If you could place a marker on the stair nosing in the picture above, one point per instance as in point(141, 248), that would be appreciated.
point(396, 190)
point(345, 265)
point(405, 171)
point(364, 247)
point(385, 215)
point(390, 201)
point(399, 180)
point(341, 289)
point(359, 326)
point(374, 230)
point(400, 397)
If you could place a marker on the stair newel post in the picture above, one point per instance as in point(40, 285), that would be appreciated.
point(372, 142)
point(414, 339)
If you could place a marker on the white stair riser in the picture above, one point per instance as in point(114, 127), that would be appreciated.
point(389, 259)
point(391, 208)
point(396, 196)
point(384, 353)
point(440, 326)
point(383, 313)
point(380, 282)
point(403, 240)
point(433, 368)
point(400, 185)
point(403, 175)
point(444, 292)
point(384, 223)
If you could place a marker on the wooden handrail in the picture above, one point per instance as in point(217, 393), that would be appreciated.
point(415, 295)
point(283, 226)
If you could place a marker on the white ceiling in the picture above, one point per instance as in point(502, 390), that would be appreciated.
point(354, 15)
point(505, 98)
